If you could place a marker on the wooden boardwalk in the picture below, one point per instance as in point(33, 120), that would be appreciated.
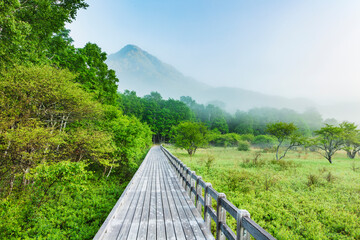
point(154, 206)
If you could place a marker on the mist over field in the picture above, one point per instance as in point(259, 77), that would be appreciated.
point(297, 54)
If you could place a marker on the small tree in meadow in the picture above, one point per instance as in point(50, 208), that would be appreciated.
point(351, 139)
point(285, 132)
point(190, 136)
point(329, 140)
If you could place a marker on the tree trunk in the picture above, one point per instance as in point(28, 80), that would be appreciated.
point(351, 154)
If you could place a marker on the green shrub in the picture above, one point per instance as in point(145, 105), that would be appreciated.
point(264, 141)
point(247, 137)
point(243, 146)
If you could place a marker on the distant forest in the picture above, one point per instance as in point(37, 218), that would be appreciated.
point(161, 115)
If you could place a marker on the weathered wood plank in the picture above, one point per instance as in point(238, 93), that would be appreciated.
point(151, 233)
point(182, 215)
point(135, 224)
point(178, 229)
point(130, 213)
point(117, 219)
point(144, 220)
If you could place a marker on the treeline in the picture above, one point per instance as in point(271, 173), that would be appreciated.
point(161, 115)
point(66, 147)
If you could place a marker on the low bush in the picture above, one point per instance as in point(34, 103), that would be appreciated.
point(243, 146)
point(264, 141)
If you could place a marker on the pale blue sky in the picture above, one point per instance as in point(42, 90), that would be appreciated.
point(303, 48)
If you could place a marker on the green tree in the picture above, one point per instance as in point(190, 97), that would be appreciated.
point(285, 132)
point(351, 139)
point(190, 136)
point(329, 139)
point(27, 26)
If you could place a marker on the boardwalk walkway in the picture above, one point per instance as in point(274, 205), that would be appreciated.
point(154, 206)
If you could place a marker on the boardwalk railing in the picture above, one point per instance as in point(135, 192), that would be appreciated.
point(194, 186)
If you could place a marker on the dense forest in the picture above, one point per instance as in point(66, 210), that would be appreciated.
point(69, 142)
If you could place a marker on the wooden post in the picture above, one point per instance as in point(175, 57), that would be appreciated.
point(198, 193)
point(241, 233)
point(188, 180)
point(183, 175)
point(207, 199)
point(221, 217)
point(192, 181)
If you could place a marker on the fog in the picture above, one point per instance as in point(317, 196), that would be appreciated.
point(295, 49)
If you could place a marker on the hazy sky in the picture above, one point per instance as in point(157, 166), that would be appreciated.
point(302, 48)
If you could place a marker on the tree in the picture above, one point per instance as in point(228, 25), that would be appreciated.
point(27, 26)
point(284, 132)
point(329, 139)
point(190, 136)
point(351, 139)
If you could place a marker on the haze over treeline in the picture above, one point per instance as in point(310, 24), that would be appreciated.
point(143, 73)
point(292, 49)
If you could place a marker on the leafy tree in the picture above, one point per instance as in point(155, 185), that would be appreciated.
point(27, 26)
point(285, 132)
point(190, 136)
point(329, 139)
point(37, 104)
point(131, 104)
point(88, 63)
point(351, 139)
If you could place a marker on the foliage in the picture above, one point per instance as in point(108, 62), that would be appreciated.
point(225, 140)
point(285, 131)
point(161, 115)
point(26, 27)
point(89, 65)
point(329, 140)
point(351, 139)
point(64, 201)
point(190, 136)
point(277, 194)
point(243, 146)
point(247, 137)
point(264, 141)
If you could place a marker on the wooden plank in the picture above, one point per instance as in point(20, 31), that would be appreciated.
point(182, 215)
point(151, 233)
point(135, 224)
point(144, 220)
point(169, 224)
point(178, 229)
point(115, 224)
point(189, 215)
point(123, 233)
point(197, 223)
point(160, 220)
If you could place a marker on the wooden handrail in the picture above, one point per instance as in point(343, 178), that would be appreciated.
point(194, 185)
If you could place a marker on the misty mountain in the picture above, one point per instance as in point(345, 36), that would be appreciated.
point(142, 72)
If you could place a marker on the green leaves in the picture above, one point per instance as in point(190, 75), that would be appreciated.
point(26, 27)
point(190, 136)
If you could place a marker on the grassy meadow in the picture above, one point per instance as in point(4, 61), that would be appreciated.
point(300, 197)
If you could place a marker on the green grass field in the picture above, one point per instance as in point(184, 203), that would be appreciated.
point(300, 197)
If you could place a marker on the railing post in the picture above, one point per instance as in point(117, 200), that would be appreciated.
point(198, 193)
point(207, 200)
point(241, 233)
point(221, 217)
point(188, 180)
point(183, 179)
point(192, 184)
